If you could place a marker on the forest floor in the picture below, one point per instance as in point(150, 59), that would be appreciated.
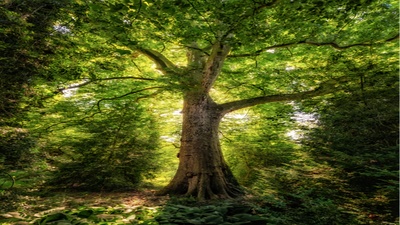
point(24, 207)
point(33, 206)
point(19, 207)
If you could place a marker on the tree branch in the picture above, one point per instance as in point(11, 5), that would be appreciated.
point(327, 87)
point(123, 78)
point(163, 64)
point(196, 48)
point(126, 94)
point(214, 64)
point(87, 82)
point(332, 44)
point(67, 121)
point(104, 99)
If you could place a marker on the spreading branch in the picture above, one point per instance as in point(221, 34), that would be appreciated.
point(127, 94)
point(67, 122)
point(105, 99)
point(324, 88)
point(163, 64)
point(87, 82)
point(332, 44)
point(214, 64)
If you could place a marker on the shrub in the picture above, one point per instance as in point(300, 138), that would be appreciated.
point(112, 151)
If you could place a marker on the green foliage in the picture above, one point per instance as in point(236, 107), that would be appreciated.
point(115, 149)
point(227, 213)
point(100, 215)
point(345, 171)
point(103, 139)
point(290, 187)
point(224, 212)
point(293, 195)
point(24, 48)
point(258, 141)
point(25, 53)
point(15, 145)
point(358, 135)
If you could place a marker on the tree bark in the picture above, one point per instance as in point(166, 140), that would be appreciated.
point(202, 172)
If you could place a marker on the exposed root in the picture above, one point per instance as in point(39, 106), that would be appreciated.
point(203, 187)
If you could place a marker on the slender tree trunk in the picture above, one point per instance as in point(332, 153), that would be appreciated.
point(202, 172)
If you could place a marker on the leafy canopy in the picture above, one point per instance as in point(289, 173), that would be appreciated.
point(276, 46)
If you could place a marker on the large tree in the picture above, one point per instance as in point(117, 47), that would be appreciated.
point(249, 52)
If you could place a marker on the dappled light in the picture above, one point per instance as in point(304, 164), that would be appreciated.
point(183, 112)
point(79, 206)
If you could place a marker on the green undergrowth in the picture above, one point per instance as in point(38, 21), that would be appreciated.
point(174, 212)
point(224, 213)
point(272, 210)
point(86, 215)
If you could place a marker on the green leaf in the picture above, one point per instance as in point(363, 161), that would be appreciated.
point(195, 221)
point(248, 217)
point(85, 213)
point(53, 217)
point(123, 51)
point(213, 219)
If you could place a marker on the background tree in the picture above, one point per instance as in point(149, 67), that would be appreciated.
point(336, 168)
point(358, 136)
point(112, 151)
point(25, 51)
point(112, 148)
point(252, 52)
point(257, 141)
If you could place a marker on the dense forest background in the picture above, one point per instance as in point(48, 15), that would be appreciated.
point(81, 112)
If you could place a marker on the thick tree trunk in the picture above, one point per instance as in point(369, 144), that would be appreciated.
point(202, 172)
